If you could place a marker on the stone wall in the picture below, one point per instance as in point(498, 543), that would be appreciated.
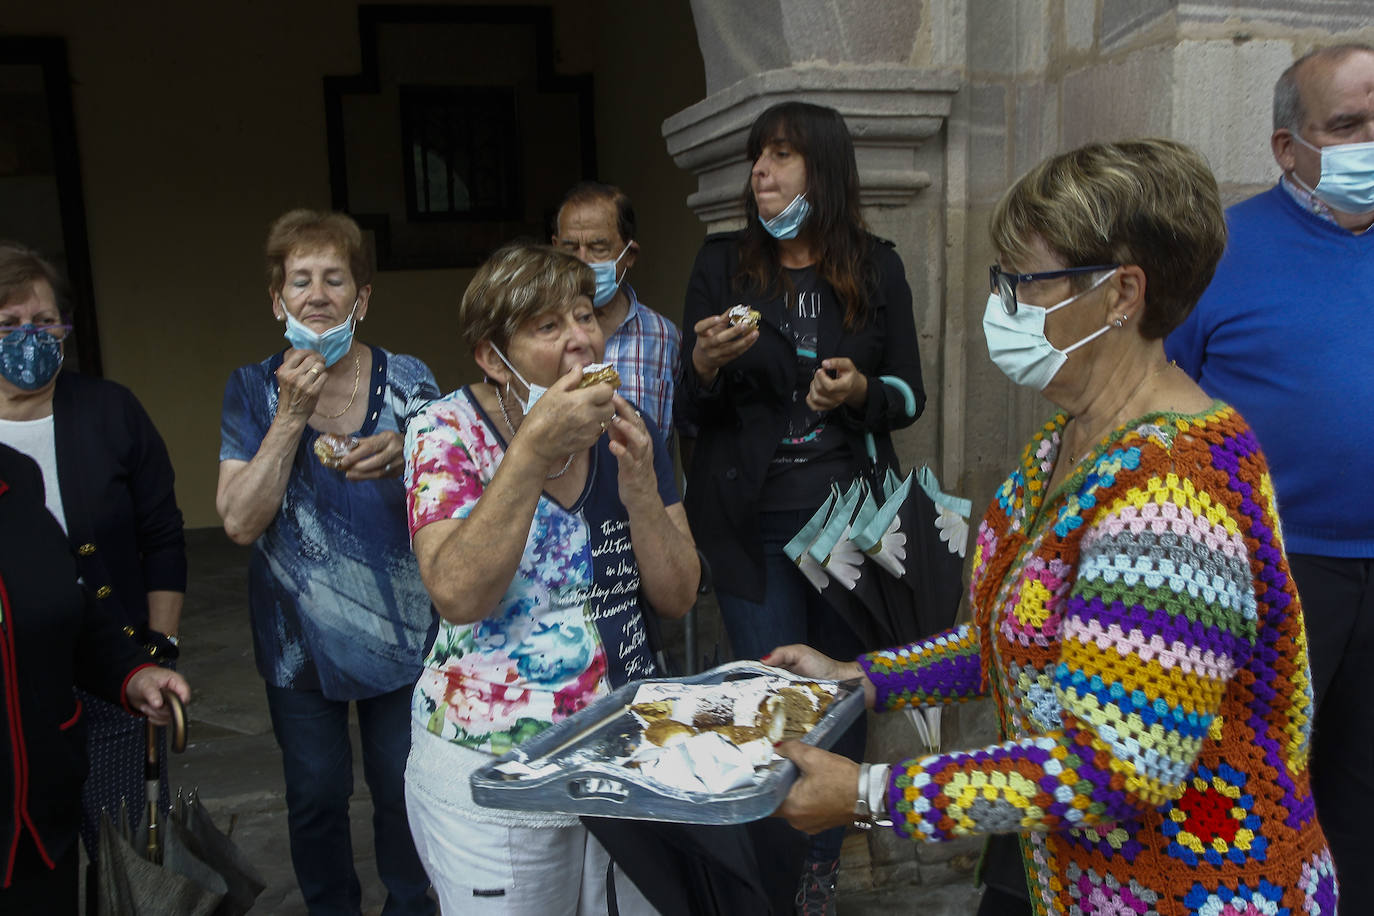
point(1043, 77)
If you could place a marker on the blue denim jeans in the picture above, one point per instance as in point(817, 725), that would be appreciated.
point(317, 761)
point(792, 611)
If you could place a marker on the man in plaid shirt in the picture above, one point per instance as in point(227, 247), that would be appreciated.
point(596, 222)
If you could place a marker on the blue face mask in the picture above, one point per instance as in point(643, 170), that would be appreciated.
point(1347, 180)
point(606, 281)
point(1017, 343)
point(29, 358)
point(788, 223)
point(331, 344)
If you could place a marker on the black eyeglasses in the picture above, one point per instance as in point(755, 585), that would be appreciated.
point(1004, 284)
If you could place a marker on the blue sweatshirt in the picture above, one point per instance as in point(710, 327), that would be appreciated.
point(1285, 333)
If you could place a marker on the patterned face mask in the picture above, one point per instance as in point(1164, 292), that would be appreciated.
point(30, 357)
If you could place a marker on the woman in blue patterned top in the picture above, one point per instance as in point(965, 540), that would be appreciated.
point(310, 463)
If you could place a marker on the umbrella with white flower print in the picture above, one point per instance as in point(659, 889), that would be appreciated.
point(882, 560)
point(891, 567)
point(888, 556)
point(810, 547)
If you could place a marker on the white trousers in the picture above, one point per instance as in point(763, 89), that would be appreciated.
point(497, 870)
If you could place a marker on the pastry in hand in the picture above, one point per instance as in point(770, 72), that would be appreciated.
point(743, 316)
point(596, 373)
point(331, 448)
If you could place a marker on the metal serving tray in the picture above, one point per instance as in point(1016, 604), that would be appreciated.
point(583, 784)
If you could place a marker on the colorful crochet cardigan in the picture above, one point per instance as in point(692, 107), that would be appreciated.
point(1144, 645)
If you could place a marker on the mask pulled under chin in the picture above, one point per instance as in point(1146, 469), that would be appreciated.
point(788, 223)
point(535, 391)
point(331, 344)
point(1017, 343)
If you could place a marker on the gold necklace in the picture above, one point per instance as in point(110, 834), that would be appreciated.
point(357, 371)
point(501, 403)
point(1092, 443)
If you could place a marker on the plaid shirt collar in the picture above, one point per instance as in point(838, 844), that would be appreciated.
point(632, 313)
point(1306, 199)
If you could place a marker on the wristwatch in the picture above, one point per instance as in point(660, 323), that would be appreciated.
point(161, 646)
point(870, 808)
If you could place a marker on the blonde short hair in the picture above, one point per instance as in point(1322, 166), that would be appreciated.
point(1152, 203)
point(316, 230)
point(517, 283)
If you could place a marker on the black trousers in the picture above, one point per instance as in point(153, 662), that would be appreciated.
point(38, 890)
point(1338, 608)
point(1003, 874)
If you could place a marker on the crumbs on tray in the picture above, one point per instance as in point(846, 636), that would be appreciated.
point(709, 738)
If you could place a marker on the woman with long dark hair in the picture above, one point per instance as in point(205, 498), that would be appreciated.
point(780, 404)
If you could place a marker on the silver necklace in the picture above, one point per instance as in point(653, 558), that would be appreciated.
point(501, 403)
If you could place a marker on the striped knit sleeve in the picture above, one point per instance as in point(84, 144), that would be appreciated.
point(941, 669)
point(1161, 614)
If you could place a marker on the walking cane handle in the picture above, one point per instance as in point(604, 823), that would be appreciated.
point(176, 729)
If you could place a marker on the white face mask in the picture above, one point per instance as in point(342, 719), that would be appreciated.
point(1017, 343)
point(535, 391)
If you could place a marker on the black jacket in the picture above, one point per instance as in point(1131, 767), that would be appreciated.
point(52, 636)
point(740, 419)
point(116, 481)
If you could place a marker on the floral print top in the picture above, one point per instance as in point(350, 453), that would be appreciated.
point(569, 627)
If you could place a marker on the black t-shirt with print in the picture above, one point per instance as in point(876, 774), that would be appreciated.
point(813, 452)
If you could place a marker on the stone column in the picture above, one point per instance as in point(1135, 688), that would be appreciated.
point(891, 113)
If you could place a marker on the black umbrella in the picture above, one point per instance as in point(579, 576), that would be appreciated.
point(177, 865)
point(149, 872)
point(707, 869)
point(132, 885)
point(888, 558)
point(196, 831)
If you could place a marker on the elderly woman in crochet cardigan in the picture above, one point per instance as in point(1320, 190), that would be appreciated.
point(1134, 619)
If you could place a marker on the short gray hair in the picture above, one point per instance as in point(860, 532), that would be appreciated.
point(517, 283)
point(21, 268)
point(1288, 111)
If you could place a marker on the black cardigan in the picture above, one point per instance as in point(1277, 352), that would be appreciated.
point(116, 481)
point(52, 635)
point(741, 417)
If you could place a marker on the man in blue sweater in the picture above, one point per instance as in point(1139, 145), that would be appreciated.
point(1286, 334)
